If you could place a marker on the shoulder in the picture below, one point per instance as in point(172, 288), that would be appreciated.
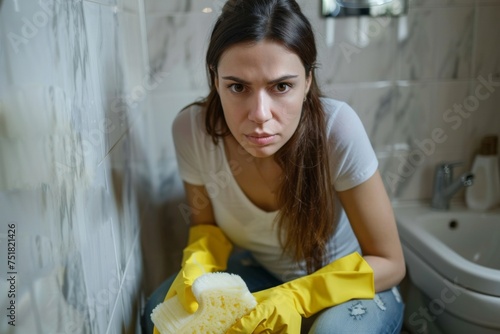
point(331, 105)
point(185, 118)
point(189, 121)
point(339, 115)
point(188, 129)
point(353, 159)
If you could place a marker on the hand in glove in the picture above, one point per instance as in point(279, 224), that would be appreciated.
point(207, 251)
point(280, 309)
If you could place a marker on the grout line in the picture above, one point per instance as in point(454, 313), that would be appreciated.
point(120, 293)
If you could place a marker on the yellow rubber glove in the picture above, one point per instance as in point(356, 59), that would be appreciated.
point(207, 251)
point(280, 309)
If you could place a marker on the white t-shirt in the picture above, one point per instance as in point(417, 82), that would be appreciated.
point(200, 162)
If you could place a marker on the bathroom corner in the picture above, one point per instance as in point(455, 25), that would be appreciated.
point(89, 188)
point(74, 165)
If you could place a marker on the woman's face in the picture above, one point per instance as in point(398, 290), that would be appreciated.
point(262, 87)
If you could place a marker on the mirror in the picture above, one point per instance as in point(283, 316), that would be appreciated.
point(362, 3)
point(343, 8)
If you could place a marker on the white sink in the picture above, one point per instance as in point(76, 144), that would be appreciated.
point(454, 253)
point(458, 241)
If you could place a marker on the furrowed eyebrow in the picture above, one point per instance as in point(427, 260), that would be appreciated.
point(283, 78)
point(236, 79)
point(274, 81)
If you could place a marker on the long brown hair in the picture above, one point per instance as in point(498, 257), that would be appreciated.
point(305, 197)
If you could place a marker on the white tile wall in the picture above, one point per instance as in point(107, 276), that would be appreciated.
point(401, 75)
point(73, 91)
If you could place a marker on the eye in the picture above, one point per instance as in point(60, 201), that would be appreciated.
point(237, 88)
point(283, 87)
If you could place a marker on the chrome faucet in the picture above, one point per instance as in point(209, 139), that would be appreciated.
point(445, 187)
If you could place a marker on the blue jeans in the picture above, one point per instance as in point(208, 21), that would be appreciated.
point(383, 314)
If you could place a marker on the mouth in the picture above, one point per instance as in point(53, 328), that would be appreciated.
point(260, 139)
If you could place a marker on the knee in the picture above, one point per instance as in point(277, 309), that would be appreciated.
point(361, 316)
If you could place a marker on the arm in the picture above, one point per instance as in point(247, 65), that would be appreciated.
point(199, 204)
point(208, 249)
point(371, 216)
point(280, 309)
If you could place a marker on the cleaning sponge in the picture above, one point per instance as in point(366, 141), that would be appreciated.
point(223, 298)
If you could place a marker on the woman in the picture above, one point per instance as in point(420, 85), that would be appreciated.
point(289, 176)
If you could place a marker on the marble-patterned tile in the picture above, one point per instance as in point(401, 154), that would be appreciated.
point(121, 185)
point(448, 102)
point(107, 73)
point(132, 35)
point(104, 2)
point(125, 314)
point(131, 294)
point(164, 108)
point(177, 47)
point(139, 80)
point(311, 9)
point(78, 77)
point(59, 76)
point(4, 78)
point(50, 33)
point(429, 129)
point(176, 6)
point(56, 42)
point(361, 50)
point(483, 108)
point(25, 313)
point(410, 115)
point(135, 7)
point(26, 30)
point(401, 179)
point(141, 146)
point(487, 50)
point(154, 7)
point(44, 309)
point(47, 254)
point(488, 2)
point(117, 320)
point(453, 56)
point(430, 111)
point(375, 109)
point(34, 111)
point(98, 255)
point(15, 275)
point(37, 129)
point(440, 3)
point(61, 312)
point(437, 45)
point(409, 178)
point(121, 236)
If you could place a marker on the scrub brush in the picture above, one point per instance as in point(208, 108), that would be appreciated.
point(223, 298)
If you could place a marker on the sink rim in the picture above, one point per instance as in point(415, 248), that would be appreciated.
point(440, 256)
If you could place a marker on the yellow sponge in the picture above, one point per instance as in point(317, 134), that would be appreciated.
point(223, 298)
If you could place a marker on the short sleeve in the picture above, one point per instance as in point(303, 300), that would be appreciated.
point(184, 131)
point(353, 160)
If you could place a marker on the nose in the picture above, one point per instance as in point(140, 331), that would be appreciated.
point(260, 108)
